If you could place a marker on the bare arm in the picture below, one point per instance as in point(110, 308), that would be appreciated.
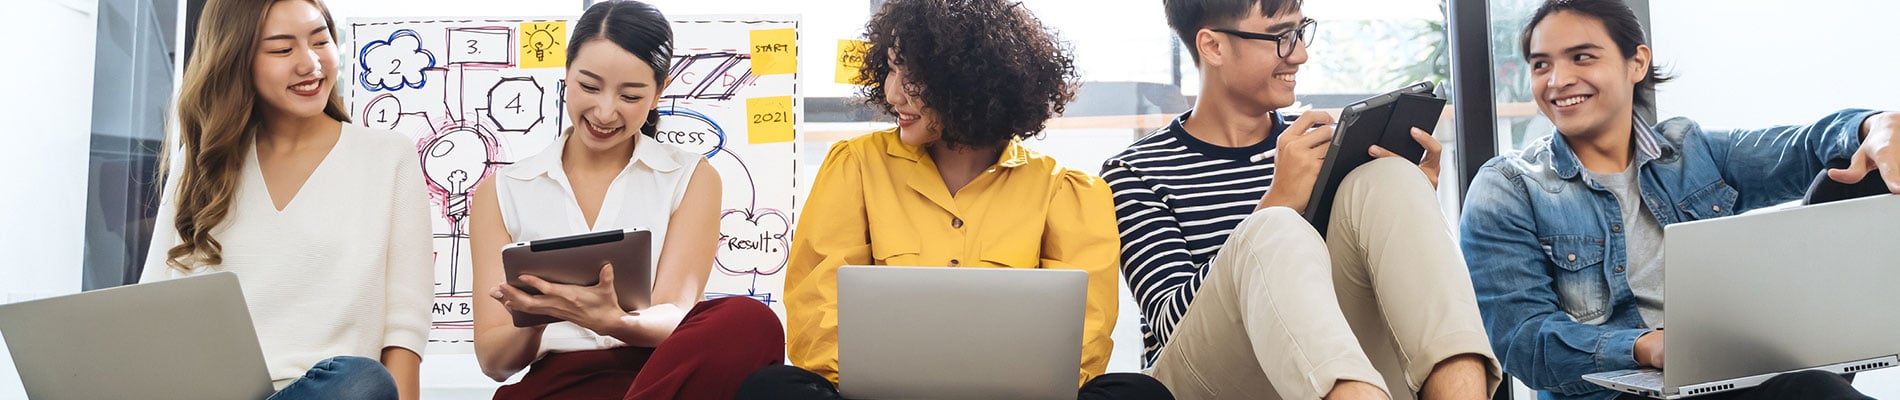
point(679, 282)
point(685, 263)
point(406, 366)
point(501, 348)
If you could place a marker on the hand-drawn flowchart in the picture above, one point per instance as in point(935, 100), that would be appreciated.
point(479, 94)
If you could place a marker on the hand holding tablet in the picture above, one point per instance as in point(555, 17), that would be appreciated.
point(572, 266)
point(1388, 121)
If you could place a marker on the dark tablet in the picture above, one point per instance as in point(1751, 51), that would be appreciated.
point(1385, 120)
point(576, 260)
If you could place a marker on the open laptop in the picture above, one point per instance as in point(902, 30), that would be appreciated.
point(1758, 295)
point(187, 338)
point(965, 333)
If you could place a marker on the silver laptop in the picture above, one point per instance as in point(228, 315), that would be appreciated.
point(962, 333)
point(188, 338)
point(1758, 295)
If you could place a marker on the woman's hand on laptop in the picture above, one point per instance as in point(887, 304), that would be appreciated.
point(1428, 164)
point(596, 307)
point(1649, 349)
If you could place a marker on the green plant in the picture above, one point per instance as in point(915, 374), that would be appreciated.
point(1512, 82)
point(1511, 76)
point(1434, 64)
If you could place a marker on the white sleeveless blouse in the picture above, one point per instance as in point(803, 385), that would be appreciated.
point(537, 202)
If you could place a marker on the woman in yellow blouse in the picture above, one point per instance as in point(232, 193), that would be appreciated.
point(952, 185)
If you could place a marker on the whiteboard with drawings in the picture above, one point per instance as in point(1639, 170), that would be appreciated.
point(477, 94)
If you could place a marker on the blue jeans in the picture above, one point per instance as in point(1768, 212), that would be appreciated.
point(342, 377)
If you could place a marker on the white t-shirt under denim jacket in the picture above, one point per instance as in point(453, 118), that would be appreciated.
point(537, 202)
point(345, 269)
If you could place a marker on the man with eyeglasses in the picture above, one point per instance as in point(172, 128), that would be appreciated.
point(1240, 296)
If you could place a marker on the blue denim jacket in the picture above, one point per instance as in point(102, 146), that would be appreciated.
point(1545, 244)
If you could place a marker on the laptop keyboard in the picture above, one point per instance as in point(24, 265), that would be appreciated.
point(1650, 379)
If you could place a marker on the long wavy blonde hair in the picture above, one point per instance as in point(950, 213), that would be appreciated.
point(218, 118)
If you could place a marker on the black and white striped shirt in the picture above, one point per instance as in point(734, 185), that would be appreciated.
point(1176, 199)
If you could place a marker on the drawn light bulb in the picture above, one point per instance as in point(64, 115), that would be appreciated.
point(458, 178)
point(540, 41)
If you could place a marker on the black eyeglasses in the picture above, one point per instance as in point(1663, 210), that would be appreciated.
point(1304, 34)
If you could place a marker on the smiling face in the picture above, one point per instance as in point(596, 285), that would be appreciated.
point(1579, 78)
point(1252, 70)
point(610, 93)
point(295, 66)
point(917, 124)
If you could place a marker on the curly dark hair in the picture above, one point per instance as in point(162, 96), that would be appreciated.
point(988, 69)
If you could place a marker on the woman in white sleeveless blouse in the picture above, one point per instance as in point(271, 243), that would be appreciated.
point(608, 172)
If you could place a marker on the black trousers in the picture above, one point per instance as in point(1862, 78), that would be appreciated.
point(1814, 385)
point(793, 383)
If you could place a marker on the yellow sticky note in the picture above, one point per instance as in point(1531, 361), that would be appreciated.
point(543, 44)
point(774, 51)
point(851, 60)
point(768, 119)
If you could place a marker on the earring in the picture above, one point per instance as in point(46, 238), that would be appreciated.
point(652, 126)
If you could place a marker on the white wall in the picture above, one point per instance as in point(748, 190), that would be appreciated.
point(1757, 63)
point(47, 113)
point(1752, 63)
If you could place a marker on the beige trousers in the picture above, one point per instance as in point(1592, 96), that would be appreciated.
point(1284, 314)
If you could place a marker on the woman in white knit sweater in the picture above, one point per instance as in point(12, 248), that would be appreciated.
point(325, 223)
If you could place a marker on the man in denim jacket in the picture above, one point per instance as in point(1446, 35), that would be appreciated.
point(1564, 239)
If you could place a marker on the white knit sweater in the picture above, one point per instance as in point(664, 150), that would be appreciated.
point(346, 268)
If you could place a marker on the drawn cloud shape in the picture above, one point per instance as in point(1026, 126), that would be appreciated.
point(753, 243)
point(394, 63)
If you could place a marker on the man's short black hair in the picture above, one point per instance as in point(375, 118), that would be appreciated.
point(1187, 17)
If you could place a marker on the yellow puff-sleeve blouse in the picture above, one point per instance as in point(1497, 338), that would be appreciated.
point(877, 201)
